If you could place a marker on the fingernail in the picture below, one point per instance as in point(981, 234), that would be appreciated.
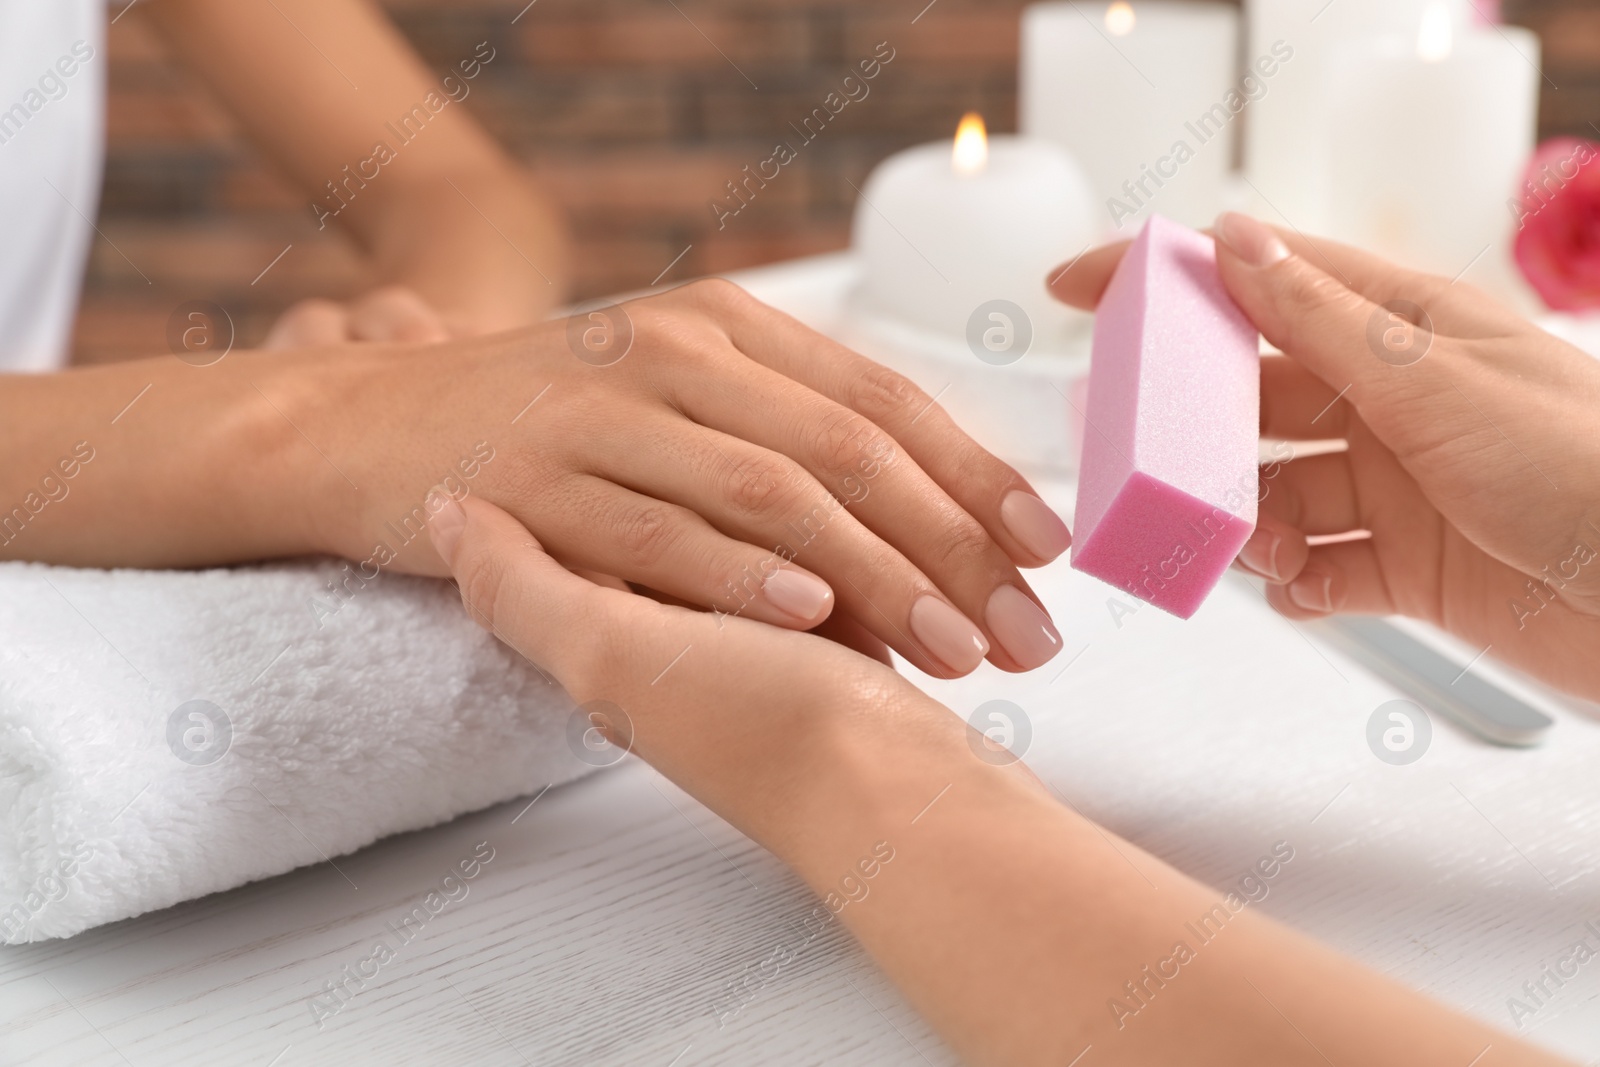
point(947, 634)
point(796, 593)
point(1250, 240)
point(1037, 528)
point(1312, 592)
point(444, 529)
point(1260, 554)
point(1024, 631)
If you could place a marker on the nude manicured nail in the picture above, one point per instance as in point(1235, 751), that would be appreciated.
point(1312, 592)
point(1036, 527)
point(1024, 631)
point(947, 634)
point(804, 596)
point(1249, 239)
point(1260, 554)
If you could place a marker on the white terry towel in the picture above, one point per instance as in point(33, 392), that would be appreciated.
point(334, 712)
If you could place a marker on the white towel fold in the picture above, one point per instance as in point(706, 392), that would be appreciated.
point(167, 734)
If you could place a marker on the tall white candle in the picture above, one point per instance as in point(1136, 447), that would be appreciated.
point(1139, 92)
point(1426, 136)
point(944, 228)
point(1285, 153)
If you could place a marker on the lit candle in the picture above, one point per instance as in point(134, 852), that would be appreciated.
point(1285, 154)
point(945, 228)
point(1426, 138)
point(1140, 93)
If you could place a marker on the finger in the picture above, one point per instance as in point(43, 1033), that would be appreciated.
point(512, 588)
point(902, 514)
point(609, 581)
point(1342, 577)
point(1457, 309)
point(1296, 405)
point(1392, 371)
point(396, 313)
point(1080, 282)
point(308, 324)
point(598, 525)
point(839, 627)
point(1301, 310)
point(981, 484)
point(1316, 495)
point(1276, 550)
point(761, 497)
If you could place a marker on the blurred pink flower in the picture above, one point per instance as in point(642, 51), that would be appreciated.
point(1558, 223)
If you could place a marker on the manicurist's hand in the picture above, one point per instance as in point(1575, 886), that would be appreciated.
point(1014, 925)
point(1473, 459)
point(698, 443)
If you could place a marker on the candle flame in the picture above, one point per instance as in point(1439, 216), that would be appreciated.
point(1434, 38)
point(1119, 18)
point(971, 152)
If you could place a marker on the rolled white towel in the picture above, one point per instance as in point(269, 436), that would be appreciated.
point(167, 734)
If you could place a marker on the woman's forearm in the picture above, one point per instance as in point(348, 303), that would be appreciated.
point(1022, 931)
point(383, 147)
point(487, 249)
point(1027, 934)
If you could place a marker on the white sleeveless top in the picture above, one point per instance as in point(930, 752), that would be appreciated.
point(52, 129)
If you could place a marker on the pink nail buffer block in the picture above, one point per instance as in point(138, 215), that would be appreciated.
point(1168, 480)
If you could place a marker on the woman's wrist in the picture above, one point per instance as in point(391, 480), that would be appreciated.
point(311, 473)
point(175, 465)
point(355, 462)
point(858, 767)
point(233, 462)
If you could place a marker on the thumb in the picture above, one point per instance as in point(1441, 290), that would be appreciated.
point(1367, 352)
point(1307, 314)
point(512, 588)
point(1321, 322)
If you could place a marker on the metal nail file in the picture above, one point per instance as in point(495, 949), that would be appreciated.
point(1438, 681)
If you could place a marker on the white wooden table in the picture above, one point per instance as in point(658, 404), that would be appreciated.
point(617, 914)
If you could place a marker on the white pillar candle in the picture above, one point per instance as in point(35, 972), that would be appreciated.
point(1140, 93)
point(1427, 136)
point(943, 228)
point(1285, 155)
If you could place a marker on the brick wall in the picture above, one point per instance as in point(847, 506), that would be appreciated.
point(631, 116)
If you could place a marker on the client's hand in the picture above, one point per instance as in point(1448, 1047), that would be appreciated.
point(705, 446)
point(1473, 459)
point(740, 713)
point(393, 313)
point(1020, 930)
